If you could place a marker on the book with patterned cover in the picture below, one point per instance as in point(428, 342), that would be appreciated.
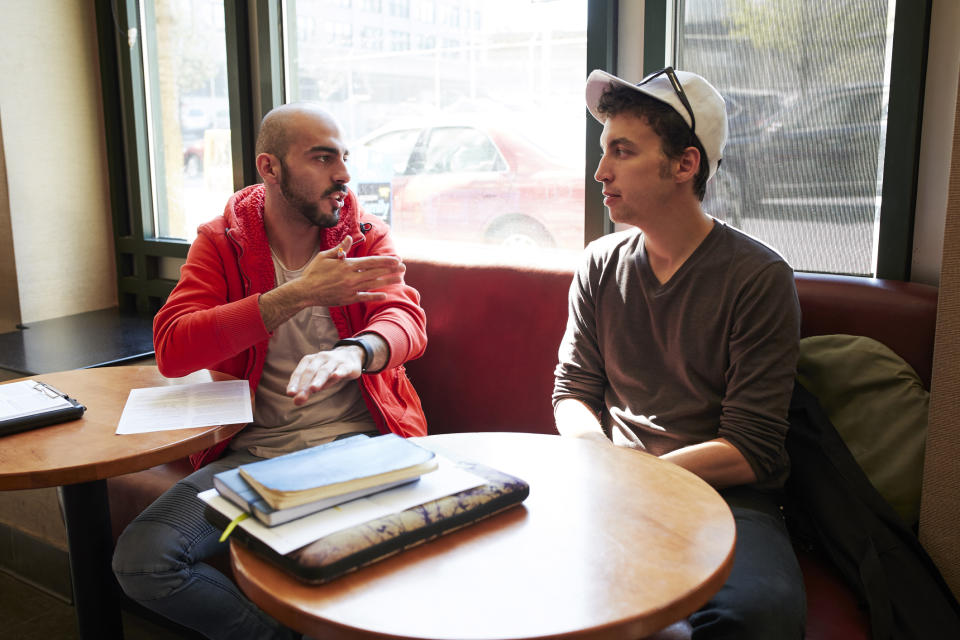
point(344, 551)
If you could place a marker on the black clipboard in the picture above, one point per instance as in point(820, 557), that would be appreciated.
point(67, 408)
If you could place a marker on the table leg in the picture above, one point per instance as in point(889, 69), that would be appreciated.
point(86, 513)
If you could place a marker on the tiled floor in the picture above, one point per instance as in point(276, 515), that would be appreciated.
point(28, 613)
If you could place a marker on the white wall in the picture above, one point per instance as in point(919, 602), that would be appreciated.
point(53, 142)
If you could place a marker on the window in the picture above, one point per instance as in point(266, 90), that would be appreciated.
point(339, 34)
point(185, 83)
point(399, 40)
point(188, 116)
point(477, 141)
point(374, 162)
point(460, 150)
point(423, 11)
point(807, 85)
point(400, 8)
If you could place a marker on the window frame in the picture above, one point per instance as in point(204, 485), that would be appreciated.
point(901, 170)
point(255, 54)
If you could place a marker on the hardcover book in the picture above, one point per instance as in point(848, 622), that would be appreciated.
point(337, 468)
point(233, 487)
point(346, 550)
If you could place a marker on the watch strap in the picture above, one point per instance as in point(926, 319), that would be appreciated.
point(358, 341)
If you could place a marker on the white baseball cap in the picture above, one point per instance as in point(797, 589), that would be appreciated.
point(706, 113)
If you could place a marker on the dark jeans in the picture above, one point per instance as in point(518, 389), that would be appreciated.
point(159, 563)
point(764, 597)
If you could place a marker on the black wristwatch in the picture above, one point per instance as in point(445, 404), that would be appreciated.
point(358, 341)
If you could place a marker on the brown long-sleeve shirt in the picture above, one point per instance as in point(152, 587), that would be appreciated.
point(711, 353)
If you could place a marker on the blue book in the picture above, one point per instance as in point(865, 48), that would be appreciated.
point(231, 485)
point(337, 468)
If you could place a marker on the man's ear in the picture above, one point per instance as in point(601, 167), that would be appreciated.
point(688, 165)
point(268, 166)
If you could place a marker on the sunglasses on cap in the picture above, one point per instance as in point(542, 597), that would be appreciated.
point(678, 89)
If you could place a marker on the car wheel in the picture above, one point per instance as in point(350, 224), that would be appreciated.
point(724, 199)
point(519, 233)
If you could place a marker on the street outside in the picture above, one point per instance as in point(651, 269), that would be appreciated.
point(812, 240)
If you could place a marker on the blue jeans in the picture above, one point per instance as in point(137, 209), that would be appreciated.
point(159, 563)
point(764, 596)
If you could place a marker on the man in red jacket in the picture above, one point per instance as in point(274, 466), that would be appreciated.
point(297, 290)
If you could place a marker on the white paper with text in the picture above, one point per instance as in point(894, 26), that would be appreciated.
point(182, 406)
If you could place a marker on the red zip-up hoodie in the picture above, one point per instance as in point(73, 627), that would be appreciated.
point(212, 318)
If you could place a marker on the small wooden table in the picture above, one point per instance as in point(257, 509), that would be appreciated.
point(611, 543)
point(78, 456)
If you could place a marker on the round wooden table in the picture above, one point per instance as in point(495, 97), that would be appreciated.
point(89, 449)
point(611, 543)
point(79, 455)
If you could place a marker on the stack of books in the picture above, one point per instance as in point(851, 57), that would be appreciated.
point(288, 487)
point(327, 510)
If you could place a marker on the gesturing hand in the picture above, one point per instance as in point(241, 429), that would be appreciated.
point(331, 280)
point(318, 371)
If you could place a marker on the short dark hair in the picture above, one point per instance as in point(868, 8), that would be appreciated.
point(273, 136)
point(674, 132)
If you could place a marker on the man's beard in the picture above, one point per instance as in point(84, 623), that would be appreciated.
point(310, 209)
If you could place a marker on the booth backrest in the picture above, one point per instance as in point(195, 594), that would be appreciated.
point(494, 332)
point(493, 338)
point(901, 315)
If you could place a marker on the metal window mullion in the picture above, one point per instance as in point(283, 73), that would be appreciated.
point(125, 126)
point(158, 248)
point(656, 26)
point(154, 133)
point(111, 86)
point(135, 118)
point(254, 76)
point(240, 82)
point(601, 54)
point(291, 79)
point(898, 203)
point(270, 54)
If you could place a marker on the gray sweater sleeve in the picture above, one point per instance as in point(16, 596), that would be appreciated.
point(579, 373)
point(763, 348)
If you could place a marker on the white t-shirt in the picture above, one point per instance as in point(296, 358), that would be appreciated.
point(280, 427)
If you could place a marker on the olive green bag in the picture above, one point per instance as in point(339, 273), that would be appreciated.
point(878, 404)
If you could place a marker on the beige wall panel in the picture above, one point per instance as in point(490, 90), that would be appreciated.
point(943, 65)
point(55, 157)
point(940, 501)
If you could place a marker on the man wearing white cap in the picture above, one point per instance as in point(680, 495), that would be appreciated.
point(683, 334)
